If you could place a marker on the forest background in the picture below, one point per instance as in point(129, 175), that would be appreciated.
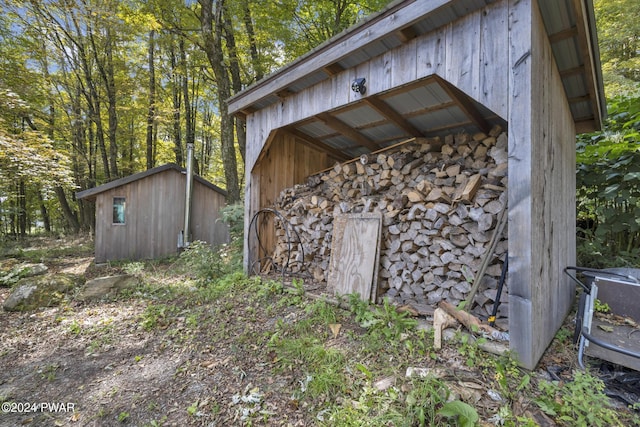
point(91, 91)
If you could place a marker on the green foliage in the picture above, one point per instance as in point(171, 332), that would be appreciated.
point(608, 189)
point(619, 41)
point(381, 322)
point(155, 315)
point(463, 413)
point(578, 402)
point(123, 416)
point(204, 263)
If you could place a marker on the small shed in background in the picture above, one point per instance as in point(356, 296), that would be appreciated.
point(142, 216)
point(428, 67)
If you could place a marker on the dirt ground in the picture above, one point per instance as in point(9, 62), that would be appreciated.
point(100, 364)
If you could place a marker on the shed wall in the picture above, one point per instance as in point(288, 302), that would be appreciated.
point(154, 217)
point(541, 189)
point(469, 53)
point(286, 162)
point(501, 57)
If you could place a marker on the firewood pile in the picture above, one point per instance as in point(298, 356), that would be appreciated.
point(440, 200)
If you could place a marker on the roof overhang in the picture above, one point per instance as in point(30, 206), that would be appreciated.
point(377, 120)
point(92, 193)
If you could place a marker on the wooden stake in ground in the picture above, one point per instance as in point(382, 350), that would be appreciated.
point(441, 320)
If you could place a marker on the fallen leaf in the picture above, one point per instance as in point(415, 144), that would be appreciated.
point(606, 328)
point(335, 328)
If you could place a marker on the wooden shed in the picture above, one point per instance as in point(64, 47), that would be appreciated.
point(429, 67)
point(142, 216)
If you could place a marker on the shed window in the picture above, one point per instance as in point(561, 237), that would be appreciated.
point(118, 210)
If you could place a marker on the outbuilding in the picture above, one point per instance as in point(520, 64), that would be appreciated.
point(430, 68)
point(142, 216)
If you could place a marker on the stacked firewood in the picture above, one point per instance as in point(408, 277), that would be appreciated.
point(440, 200)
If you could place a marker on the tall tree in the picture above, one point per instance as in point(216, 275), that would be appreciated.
point(151, 115)
point(619, 41)
point(211, 19)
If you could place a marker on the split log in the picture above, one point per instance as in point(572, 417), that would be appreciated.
point(470, 322)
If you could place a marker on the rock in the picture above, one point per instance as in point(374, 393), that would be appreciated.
point(41, 291)
point(102, 286)
point(11, 271)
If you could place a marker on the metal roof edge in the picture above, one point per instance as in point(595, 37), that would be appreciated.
point(345, 34)
point(91, 193)
point(593, 32)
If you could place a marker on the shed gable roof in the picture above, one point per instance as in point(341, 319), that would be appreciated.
point(92, 193)
point(570, 26)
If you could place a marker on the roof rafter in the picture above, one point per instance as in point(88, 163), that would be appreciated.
point(383, 108)
point(348, 131)
point(464, 104)
point(317, 144)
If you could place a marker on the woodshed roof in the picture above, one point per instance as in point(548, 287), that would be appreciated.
point(92, 193)
point(431, 106)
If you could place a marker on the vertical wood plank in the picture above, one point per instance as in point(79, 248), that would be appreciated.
point(520, 199)
point(431, 54)
point(463, 54)
point(355, 253)
point(404, 65)
point(494, 65)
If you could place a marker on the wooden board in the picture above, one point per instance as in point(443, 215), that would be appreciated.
point(355, 254)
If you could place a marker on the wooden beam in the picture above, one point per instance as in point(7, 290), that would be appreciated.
point(392, 115)
point(407, 34)
point(572, 71)
point(348, 131)
point(562, 35)
point(582, 98)
point(317, 144)
point(333, 69)
point(465, 104)
point(285, 93)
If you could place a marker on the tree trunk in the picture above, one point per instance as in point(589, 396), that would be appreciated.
point(152, 103)
point(69, 215)
point(236, 81)
point(177, 132)
point(253, 46)
point(22, 209)
point(45, 214)
point(212, 13)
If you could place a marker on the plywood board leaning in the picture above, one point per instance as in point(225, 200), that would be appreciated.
point(355, 254)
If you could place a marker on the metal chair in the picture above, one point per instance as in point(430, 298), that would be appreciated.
point(619, 289)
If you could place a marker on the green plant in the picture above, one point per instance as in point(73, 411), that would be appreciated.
point(578, 402)
point(464, 414)
point(203, 262)
point(601, 307)
point(608, 189)
point(382, 322)
point(48, 372)
point(469, 348)
point(509, 377)
point(123, 416)
point(75, 328)
point(193, 408)
point(134, 268)
point(155, 315)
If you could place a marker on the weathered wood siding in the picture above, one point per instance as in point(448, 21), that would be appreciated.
point(154, 216)
point(500, 56)
point(470, 53)
point(541, 188)
point(286, 162)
